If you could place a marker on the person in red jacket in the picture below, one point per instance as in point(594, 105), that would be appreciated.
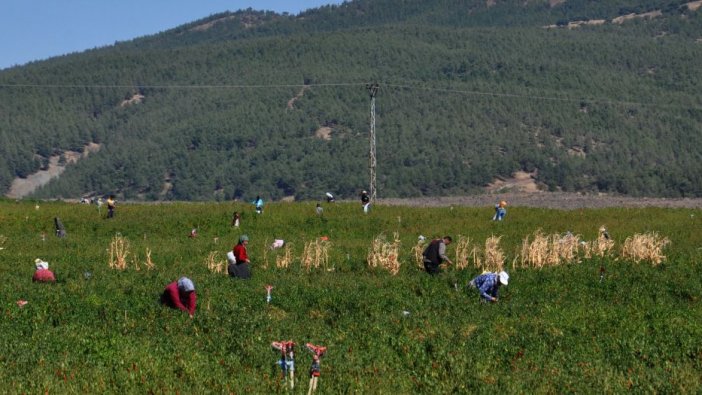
point(241, 268)
point(43, 274)
point(180, 295)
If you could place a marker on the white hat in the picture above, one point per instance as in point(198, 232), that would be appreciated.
point(40, 264)
point(504, 277)
point(185, 284)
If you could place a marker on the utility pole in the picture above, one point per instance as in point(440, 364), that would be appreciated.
point(372, 91)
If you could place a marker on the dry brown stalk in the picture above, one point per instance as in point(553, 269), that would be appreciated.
point(284, 261)
point(645, 247)
point(551, 250)
point(149, 263)
point(119, 250)
point(462, 252)
point(385, 254)
point(214, 265)
point(601, 247)
point(315, 254)
point(494, 257)
point(417, 252)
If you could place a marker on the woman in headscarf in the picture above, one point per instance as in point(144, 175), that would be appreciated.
point(240, 268)
point(42, 273)
point(180, 295)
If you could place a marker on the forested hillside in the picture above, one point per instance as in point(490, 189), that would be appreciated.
point(252, 102)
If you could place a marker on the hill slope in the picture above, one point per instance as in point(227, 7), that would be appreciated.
point(249, 103)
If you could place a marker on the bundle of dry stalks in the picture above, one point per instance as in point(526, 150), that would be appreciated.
point(385, 254)
point(645, 247)
point(149, 264)
point(119, 250)
point(214, 265)
point(284, 261)
point(463, 252)
point(551, 250)
point(315, 254)
point(417, 252)
point(494, 257)
point(600, 247)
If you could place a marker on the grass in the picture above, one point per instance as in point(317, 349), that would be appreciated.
point(556, 329)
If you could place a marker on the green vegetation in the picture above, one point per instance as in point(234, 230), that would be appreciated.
point(468, 93)
point(554, 330)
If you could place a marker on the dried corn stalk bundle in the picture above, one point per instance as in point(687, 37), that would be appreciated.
point(494, 257)
point(149, 263)
point(417, 252)
point(315, 254)
point(645, 247)
point(601, 247)
point(283, 261)
point(214, 265)
point(119, 250)
point(463, 252)
point(551, 250)
point(384, 254)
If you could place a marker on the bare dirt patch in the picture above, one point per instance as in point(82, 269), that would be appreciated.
point(694, 5)
point(521, 181)
point(21, 187)
point(136, 99)
point(323, 133)
point(650, 15)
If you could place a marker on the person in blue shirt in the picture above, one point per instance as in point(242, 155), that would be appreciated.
point(488, 284)
point(259, 204)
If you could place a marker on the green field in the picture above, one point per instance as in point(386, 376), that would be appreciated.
point(555, 330)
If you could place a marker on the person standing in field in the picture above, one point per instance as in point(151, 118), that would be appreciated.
point(435, 254)
point(259, 205)
point(180, 295)
point(488, 284)
point(240, 267)
point(60, 229)
point(236, 219)
point(111, 204)
point(365, 201)
point(42, 274)
point(319, 209)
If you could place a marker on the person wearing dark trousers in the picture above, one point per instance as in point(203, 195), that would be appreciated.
point(435, 254)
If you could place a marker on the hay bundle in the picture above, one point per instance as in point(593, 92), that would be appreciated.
point(494, 257)
point(283, 261)
point(315, 254)
point(214, 265)
point(463, 252)
point(417, 252)
point(384, 254)
point(601, 247)
point(149, 263)
point(645, 247)
point(119, 250)
point(549, 250)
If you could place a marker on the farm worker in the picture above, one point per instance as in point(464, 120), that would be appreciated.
point(60, 229)
point(435, 254)
point(236, 219)
point(365, 201)
point(240, 269)
point(259, 205)
point(319, 209)
point(42, 273)
point(330, 198)
point(111, 206)
point(180, 295)
point(488, 284)
point(500, 211)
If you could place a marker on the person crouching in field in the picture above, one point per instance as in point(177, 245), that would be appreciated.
point(240, 267)
point(488, 284)
point(435, 254)
point(180, 295)
point(42, 273)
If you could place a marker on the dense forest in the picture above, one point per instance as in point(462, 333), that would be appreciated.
point(253, 103)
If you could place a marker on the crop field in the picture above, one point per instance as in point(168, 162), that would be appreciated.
point(593, 323)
